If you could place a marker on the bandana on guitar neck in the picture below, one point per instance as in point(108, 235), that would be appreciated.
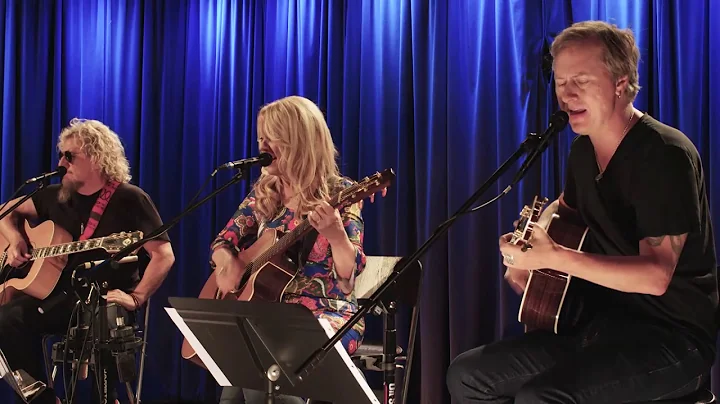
point(98, 209)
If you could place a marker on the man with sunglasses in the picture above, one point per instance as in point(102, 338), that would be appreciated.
point(93, 200)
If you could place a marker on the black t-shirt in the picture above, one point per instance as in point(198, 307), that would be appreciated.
point(654, 185)
point(130, 209)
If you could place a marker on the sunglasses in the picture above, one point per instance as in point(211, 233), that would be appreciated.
point(68, 156)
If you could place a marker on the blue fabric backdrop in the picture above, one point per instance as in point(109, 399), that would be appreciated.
point(441, 91)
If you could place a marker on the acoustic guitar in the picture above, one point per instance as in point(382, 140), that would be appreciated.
point(49, 246)
point(267, 269)
point(546, 290)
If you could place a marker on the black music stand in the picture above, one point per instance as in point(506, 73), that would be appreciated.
point(258, 345)
point(22, 383)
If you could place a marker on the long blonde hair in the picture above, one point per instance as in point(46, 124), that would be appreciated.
point(307, 156)
point(101, 145)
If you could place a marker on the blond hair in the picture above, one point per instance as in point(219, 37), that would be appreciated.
point(621, 54)
point(307, 156)
point(101, 145)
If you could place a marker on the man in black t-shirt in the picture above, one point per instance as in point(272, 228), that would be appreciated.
point(647, 273)
point(97, 169)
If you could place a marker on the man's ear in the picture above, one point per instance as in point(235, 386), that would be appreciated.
point(621, 85)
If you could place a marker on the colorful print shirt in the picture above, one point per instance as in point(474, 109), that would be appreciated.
point(315, 285)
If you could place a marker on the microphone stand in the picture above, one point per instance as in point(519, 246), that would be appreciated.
point(530, 144)
point(113, 261)
point(41, 185)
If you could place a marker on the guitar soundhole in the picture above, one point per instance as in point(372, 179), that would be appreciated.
point(9, 272)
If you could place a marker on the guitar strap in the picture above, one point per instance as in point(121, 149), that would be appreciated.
point(307, 246)
point(99, 208)
point(308, 241)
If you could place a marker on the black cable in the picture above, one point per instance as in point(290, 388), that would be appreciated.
point(17, 191)
point(91, 308)
point(475, 209)
point(66, 348)
point(79, 365)
point(202, 186)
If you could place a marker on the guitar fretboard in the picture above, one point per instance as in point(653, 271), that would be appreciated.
point(67, 248)
point(527, 214)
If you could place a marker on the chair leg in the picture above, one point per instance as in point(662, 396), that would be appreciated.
point(50, 370)
point(410, 354)
point(141, 372)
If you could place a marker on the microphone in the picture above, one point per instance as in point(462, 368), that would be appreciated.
point(558, 122)
point(59, 172)
point(264, 159)
point(93, 264)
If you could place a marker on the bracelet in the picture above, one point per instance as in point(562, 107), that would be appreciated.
point(135, 299)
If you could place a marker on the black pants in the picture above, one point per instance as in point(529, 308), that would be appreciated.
point(21, 330)
point(608, 362)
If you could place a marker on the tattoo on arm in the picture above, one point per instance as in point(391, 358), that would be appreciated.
point(676, 242)
point(655, 241)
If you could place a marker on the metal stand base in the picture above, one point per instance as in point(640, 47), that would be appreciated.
point(272, 374)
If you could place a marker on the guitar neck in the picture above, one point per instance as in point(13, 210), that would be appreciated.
point(67, 248)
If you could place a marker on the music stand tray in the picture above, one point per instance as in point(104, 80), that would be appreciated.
point(21, 382)
point(242, 343)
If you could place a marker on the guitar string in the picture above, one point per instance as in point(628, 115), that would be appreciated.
point(66, 248)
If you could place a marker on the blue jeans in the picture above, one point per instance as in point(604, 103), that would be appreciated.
point(606, 363)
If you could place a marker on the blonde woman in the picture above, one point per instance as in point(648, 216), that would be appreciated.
point(298, 183)
point(96, 165)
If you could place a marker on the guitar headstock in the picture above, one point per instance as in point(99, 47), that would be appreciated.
point(528, 216)
point(117, 241)
point(363, 189)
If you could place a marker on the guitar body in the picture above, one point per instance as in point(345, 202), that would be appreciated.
point(36, 278)
point(546, 289)
point(49, 246)
point(267, 283)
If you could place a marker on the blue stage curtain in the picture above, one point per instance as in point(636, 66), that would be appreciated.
point(441, 91)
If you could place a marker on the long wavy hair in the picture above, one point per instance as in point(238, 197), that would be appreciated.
point(307, 159)
point(101, 145)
